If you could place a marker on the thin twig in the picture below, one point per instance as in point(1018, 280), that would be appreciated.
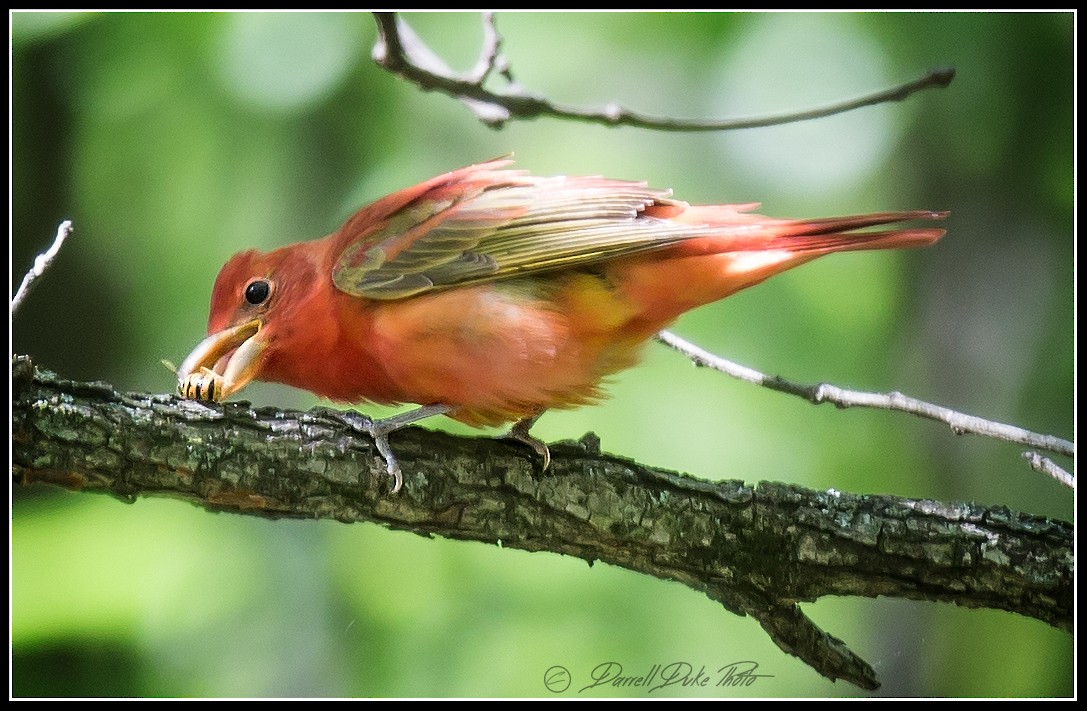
point(490, 52)
point(960, 422)
point(41, 263)
point(400, 51)
point(1046, 466)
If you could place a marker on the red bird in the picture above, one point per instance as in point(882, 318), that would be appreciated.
point(491, 295)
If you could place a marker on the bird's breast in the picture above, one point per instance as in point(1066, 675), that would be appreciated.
point(506, 350)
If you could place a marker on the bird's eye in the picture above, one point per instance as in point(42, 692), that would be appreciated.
point(257, 292)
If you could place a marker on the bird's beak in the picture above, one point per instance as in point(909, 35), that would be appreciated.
point(222, 364)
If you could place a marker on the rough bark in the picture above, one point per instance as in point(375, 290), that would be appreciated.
point(759, 550)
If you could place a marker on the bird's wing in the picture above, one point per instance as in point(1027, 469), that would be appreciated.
point(486, 222)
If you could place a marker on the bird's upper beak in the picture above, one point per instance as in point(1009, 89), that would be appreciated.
point(233, 354)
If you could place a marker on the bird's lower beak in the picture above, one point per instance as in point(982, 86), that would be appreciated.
point(222, 364)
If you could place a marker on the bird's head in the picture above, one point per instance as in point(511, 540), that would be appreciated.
point(254, 296)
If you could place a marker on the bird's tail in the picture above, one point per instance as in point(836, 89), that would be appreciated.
point(740, 248)
point(734, 228)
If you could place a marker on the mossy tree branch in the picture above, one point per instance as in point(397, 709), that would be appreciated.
point(758, 550)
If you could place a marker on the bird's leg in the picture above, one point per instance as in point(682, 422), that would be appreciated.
point(519, 432)
point(380, 430)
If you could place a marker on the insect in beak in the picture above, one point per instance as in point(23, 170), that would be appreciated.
point(221, 364)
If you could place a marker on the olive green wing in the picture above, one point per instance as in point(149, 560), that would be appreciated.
point(486, 224)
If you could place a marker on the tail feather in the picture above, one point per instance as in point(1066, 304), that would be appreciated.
point(729, 230)
point(826, 225)
point(824, 243)
point(835, 234)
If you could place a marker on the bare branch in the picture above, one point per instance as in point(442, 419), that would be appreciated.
point(489, 53)
point(41, 263)
point(1046, 466)
point(960, 422)
point(757, 550)
point(400, 51)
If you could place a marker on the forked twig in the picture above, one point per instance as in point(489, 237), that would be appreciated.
point(402, 52)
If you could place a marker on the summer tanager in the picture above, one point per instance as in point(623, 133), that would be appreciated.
point(491, 295)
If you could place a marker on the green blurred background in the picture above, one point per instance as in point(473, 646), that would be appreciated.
point(175, 140)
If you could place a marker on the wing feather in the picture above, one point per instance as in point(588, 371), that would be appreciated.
point(503, 224)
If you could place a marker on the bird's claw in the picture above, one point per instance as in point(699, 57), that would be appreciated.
point(381, 440)
point(520, 433)
point(379, 431)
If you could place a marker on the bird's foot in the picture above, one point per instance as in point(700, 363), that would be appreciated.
point(520, 433)
point(379, 431)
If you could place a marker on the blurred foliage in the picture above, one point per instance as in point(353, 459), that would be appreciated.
point(175, 140)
